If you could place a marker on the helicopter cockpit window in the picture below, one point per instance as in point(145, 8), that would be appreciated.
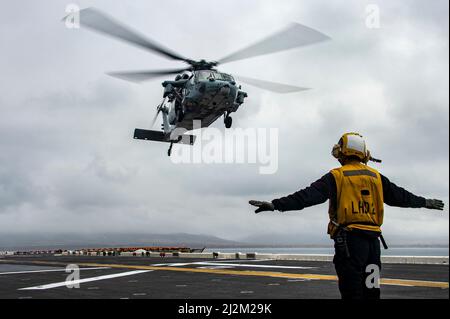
point(223, 77)
point(204, 75)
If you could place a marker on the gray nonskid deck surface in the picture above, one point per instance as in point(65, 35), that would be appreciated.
point(241, 279)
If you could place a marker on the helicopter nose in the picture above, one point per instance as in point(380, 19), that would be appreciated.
point(225, 90)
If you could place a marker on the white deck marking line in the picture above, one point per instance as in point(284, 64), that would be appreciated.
point(251, 265)
point(216, 261)
point(47, 270)
point(171, 265)
point(403, 285)
point(81, 281)
point(239, 260)
point(222, 264)
point(216, 267)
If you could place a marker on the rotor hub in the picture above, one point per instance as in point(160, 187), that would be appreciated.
point(202, 64)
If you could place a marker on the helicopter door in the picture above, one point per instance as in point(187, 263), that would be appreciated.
point(172, 113)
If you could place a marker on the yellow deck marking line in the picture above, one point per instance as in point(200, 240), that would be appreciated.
point(385, 281)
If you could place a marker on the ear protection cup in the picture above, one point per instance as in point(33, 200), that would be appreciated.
point(336, 151)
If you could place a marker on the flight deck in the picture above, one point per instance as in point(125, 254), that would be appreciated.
point(123, 277)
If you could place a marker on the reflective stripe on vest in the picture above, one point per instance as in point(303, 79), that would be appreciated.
point(360, 172)
point(359, 198)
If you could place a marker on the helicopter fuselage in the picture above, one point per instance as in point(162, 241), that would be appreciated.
point(205, 96)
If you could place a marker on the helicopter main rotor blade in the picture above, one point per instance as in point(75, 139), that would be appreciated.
point(140, 76)
point(295, 35)
point(155, 118)
point(271, 86)
point(158, 110)
point(100, 22)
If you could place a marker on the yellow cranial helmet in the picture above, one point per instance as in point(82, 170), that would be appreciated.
point(351, 144)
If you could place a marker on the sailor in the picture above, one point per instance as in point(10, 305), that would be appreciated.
point(357, 194)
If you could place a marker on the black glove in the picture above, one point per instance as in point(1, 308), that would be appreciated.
point(262, 206)
point(434, 204)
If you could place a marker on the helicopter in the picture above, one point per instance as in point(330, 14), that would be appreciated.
point(199, 91)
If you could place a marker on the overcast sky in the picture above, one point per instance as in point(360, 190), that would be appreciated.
point(68, 162)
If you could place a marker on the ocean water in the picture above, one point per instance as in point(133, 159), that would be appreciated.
point(392, 251)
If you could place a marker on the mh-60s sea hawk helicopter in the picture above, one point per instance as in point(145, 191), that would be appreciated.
point(199, 91)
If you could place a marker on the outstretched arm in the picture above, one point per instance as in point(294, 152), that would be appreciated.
point(317, 193)
point(400, 197)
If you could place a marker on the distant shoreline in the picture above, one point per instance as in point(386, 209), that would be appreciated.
point(50, 241)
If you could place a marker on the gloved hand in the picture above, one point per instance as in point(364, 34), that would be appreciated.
point(262, 206)
point(434, 204)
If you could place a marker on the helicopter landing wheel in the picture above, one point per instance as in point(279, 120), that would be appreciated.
point(169, 151)
point(228, 121)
